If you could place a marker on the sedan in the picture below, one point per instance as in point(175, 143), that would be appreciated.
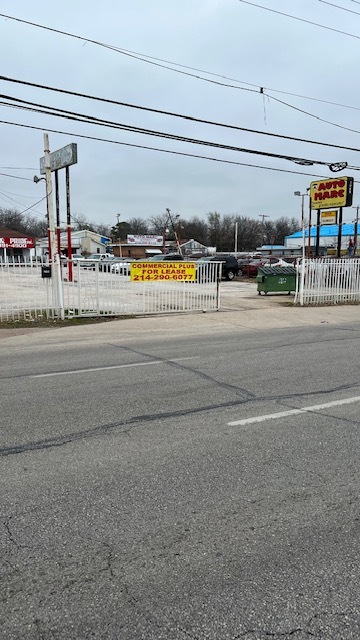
point(251, 268)
point(122, 267)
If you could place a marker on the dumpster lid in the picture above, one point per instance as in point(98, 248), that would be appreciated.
point(278, 271)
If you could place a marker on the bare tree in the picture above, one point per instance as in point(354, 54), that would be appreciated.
point(81, 222)
point(138, 226)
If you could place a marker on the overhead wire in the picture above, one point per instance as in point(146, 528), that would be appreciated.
point(336, 6)
point(288, 15)
point(86, 119)
point(143, 57)
point(8, 175)
point(20, 168)
point(184, 116)
point(28, 208)
point(158, 62)
point(168, 151)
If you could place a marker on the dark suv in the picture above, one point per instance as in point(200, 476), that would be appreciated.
point(230, 267)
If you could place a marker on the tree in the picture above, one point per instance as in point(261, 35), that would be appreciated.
point(138, 226)
point(81, 222)
point(195, 229)
point(250, 233)
point(285, 227)
point(11, 219)
point(120, 231)
point(158, 224)
point(30, 226)
point(214, 229)
point(103, 230)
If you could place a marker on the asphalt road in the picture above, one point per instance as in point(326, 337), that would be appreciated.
point(180, 487)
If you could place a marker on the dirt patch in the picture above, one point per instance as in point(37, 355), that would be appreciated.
point(21, 327)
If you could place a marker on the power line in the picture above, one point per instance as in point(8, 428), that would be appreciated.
point(19, 195)
point(8, 175)
point(168, 151)
point(28, 208)
point(158, 62)
point(183, 116)
point(86, 119)
point(338, 7)
point(312, 115)
point(20, 168)
point(288, 15)
point(153, 60)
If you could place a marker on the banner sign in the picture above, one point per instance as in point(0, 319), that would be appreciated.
point(17, 243)
point(328, 194)
point(154, 241)
point(165, 271)
point(328, 217)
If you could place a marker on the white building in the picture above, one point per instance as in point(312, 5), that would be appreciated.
point(83, 242)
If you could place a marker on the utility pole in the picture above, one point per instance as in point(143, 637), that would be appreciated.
point(263, 216)
point(120, 250)
point(170, 218)
point(49, 199)
point(356, 228)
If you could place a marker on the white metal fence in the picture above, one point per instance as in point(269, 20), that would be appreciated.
point(95, 291)
point(328, 281)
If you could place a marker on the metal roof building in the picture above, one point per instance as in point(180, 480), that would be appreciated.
point(328, 236)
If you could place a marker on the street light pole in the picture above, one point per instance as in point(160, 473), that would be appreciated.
point(356, 228)
point(298, 193)
point(120, 250)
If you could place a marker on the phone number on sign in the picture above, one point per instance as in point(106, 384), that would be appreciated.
point(143, 272)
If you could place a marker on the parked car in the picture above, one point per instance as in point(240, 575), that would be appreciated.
point(230, 267)
point(122, 267)
point(169, 257)
point(95, 258)
point(76, 257)
point(250, 270)
point(107, 263)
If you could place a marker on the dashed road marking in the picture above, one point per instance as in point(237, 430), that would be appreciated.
point(110, 367)
point(293, 412)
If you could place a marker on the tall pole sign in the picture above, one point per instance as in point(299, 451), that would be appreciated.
point(61, 159)
point(330, 194)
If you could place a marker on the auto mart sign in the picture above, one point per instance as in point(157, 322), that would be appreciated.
point(330, 194)
point(17, 243)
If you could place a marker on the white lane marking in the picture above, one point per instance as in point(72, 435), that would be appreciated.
point(293, 412)
point(114, 366)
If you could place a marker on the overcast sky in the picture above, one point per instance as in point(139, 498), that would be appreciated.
point(251, 46)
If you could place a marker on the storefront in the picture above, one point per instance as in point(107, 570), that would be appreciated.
point(15, 246)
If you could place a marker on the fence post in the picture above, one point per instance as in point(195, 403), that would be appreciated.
point(59, 293)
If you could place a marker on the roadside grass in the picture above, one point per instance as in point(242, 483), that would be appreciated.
point(46, 323)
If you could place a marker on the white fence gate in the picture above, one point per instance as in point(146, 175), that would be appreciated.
point(328, 281)
point(96, 291)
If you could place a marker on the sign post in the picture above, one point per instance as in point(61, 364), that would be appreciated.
point(59, 159)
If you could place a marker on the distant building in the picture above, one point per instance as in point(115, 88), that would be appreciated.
point(328, 237)
point(84, 242)
point(143, 249)
point(15, 245)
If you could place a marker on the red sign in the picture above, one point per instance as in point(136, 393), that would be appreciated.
point(16, 243)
